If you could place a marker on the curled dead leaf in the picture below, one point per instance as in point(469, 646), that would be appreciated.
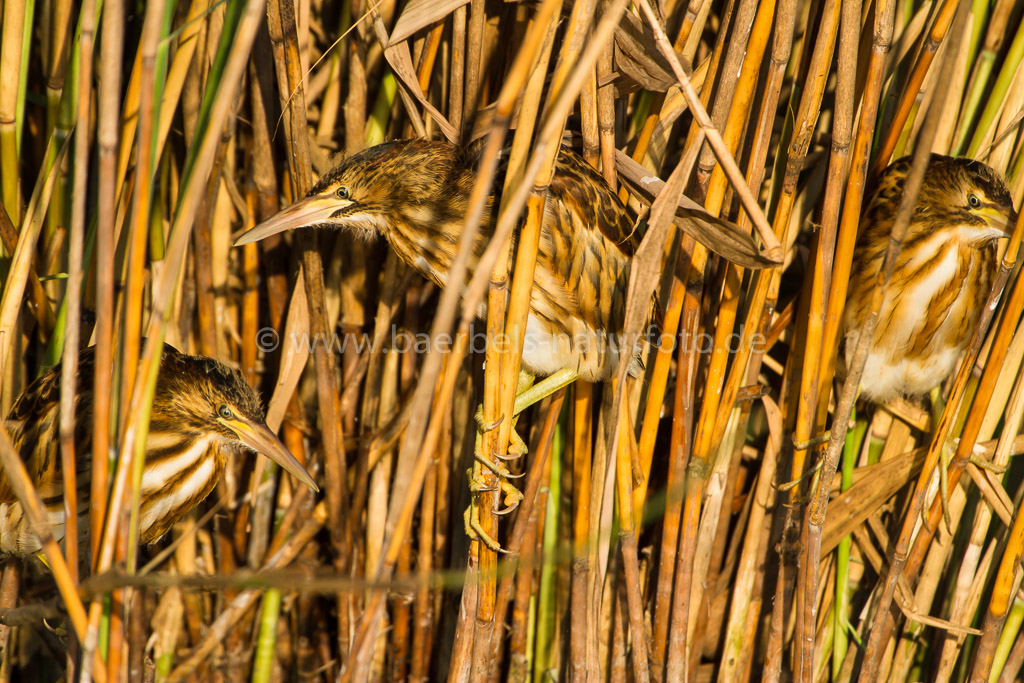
point(637, 56)
point(419, 14)
point(723, 237)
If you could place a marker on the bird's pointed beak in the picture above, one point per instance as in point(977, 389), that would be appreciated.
point(1000, 220)
point(305, 212)
point(259, 438)
point(1011, 222)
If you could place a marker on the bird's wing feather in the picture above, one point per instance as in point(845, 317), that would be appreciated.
point(585, 192)
point(34, 421)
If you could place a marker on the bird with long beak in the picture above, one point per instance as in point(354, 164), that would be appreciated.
point(415, 193)
point(202, 412)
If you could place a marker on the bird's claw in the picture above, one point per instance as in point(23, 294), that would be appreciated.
point(471, 519)
point(516, 446)
point(476, 485)
point(481, 425)
point(512, 495)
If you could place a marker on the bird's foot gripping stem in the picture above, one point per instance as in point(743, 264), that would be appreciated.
point(511, 496)
point(527, 393)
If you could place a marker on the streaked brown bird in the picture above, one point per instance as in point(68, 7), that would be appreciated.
point(202, 412)
point(942, 276)
point(416, 193)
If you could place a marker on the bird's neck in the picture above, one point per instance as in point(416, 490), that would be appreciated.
point(426, 236)
point(179, 474)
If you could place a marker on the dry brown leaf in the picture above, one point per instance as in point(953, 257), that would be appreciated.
point(720, 236)
point(420, 14)
point(876, 484)
point(400, 60)
point(637, 55)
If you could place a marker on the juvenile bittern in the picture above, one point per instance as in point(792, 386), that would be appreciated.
point(416, 193)
point(202, 411)
point(942, 276)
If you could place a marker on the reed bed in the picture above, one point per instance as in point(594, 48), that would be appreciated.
point(669, 530)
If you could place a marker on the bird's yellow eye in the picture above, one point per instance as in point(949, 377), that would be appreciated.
point(973, 201)
point(225, 411)
point(343, 192)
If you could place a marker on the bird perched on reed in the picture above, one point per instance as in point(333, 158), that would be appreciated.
point(202, 412)
point(415, 194)
point(942, 276)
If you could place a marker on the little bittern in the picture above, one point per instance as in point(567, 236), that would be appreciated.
point(202, 411)
point(942, 276)
point(416, 192)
